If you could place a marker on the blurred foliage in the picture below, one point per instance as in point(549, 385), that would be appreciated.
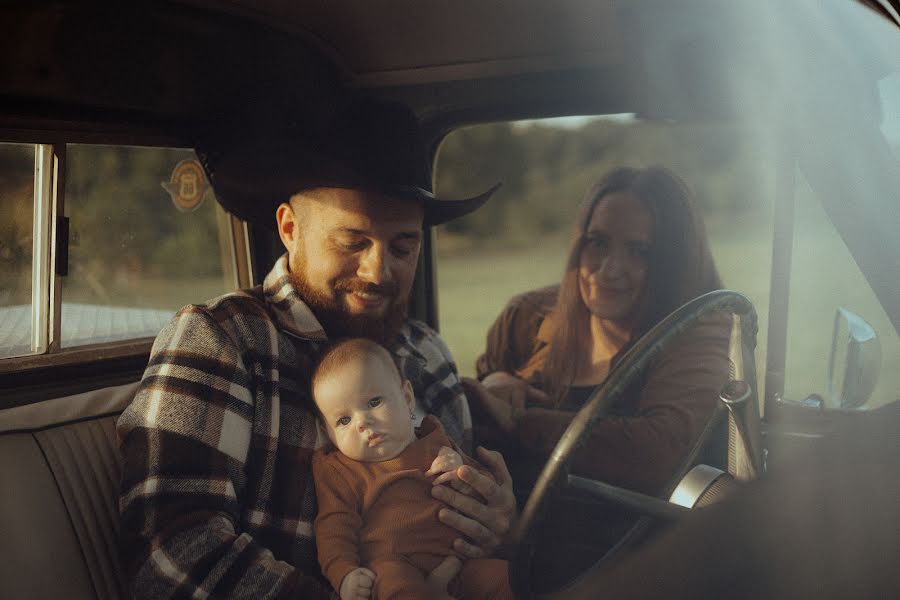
point(124, 227)
point(546, 170)
point(120, 212)
point(16, 210)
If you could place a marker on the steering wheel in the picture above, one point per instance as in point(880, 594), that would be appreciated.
point(555, 477)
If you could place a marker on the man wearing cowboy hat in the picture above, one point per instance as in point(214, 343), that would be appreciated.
point(217, 497)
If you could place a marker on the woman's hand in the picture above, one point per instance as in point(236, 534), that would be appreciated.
point(484, 523)
point(505, 401)
point(516, 391)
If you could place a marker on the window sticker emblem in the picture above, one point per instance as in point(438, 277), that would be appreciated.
point(187, 185)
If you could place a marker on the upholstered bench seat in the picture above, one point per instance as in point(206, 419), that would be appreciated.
point(59, 479)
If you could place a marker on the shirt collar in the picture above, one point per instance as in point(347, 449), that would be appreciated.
point(547, 327)
point(289, 310)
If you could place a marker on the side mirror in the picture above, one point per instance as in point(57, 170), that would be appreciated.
point(855, 361)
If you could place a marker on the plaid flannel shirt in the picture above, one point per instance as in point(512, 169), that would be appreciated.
point(217, 497)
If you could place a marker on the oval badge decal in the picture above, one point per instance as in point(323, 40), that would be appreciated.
point(187, 185)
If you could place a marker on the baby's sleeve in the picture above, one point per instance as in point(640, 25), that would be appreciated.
point(338, 522)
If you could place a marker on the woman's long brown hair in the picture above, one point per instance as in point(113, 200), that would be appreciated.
point(680, 267)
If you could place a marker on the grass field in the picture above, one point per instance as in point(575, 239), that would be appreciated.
point(474, 286)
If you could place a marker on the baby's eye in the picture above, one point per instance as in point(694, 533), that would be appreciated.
point(343, 421)
point(374, 402)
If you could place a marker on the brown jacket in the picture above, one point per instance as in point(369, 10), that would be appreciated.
point(657, 420)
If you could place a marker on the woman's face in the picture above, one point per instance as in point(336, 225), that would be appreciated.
point(613, 265)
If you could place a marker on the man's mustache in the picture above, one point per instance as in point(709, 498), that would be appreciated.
point(356, 285)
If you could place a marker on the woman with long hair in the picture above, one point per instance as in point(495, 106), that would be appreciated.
point(639, 251)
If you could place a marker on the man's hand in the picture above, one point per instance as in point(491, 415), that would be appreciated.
point(357, 584)
point(445, 466)
point(484, 523)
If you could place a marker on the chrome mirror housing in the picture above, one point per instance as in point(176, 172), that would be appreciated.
point(854, 363)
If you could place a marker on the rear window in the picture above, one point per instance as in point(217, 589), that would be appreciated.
point(125, 236)
point(17, 174)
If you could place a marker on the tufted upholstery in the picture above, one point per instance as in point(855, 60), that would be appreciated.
point(59, 498)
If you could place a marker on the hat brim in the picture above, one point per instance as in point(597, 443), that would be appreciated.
point(442, 210)
point(254, 197)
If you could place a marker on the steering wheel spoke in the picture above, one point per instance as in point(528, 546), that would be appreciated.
point(635, 502)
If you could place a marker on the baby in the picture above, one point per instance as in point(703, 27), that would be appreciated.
point(377, 528)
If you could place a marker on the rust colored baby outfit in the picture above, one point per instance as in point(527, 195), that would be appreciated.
point(381, 515)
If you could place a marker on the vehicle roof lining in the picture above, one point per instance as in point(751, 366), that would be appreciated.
point(152, 66)
point(432, 40)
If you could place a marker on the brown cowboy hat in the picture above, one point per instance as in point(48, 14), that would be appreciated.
point(367, 144)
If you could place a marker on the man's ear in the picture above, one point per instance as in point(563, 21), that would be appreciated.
point(288, 225)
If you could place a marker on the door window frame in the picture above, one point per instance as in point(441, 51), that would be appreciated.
point(49, 208)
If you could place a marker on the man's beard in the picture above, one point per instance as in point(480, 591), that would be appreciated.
point(339, 323)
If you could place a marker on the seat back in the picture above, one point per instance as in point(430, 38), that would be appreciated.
point(59, 472)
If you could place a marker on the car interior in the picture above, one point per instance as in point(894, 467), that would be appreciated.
point(200, 75)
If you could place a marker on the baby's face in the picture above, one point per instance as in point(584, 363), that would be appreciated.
point(366, 408)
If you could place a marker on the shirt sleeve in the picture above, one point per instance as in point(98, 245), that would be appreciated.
point(643, 451)
point(185, 439)
point(338, 522)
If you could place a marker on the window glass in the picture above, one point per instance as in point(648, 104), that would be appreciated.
point(137, 252)
point(519, 240)
point(16, 242)
point(814, 300)
point(825, 277)
point(889, 93)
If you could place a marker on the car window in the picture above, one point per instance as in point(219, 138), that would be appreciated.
point(136, 234)
point(137, 253)
point(825, 277)
point(17, 170)
point(519, 240)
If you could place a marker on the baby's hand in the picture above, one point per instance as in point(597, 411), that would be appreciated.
point(445, 466)
point(357, 584)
